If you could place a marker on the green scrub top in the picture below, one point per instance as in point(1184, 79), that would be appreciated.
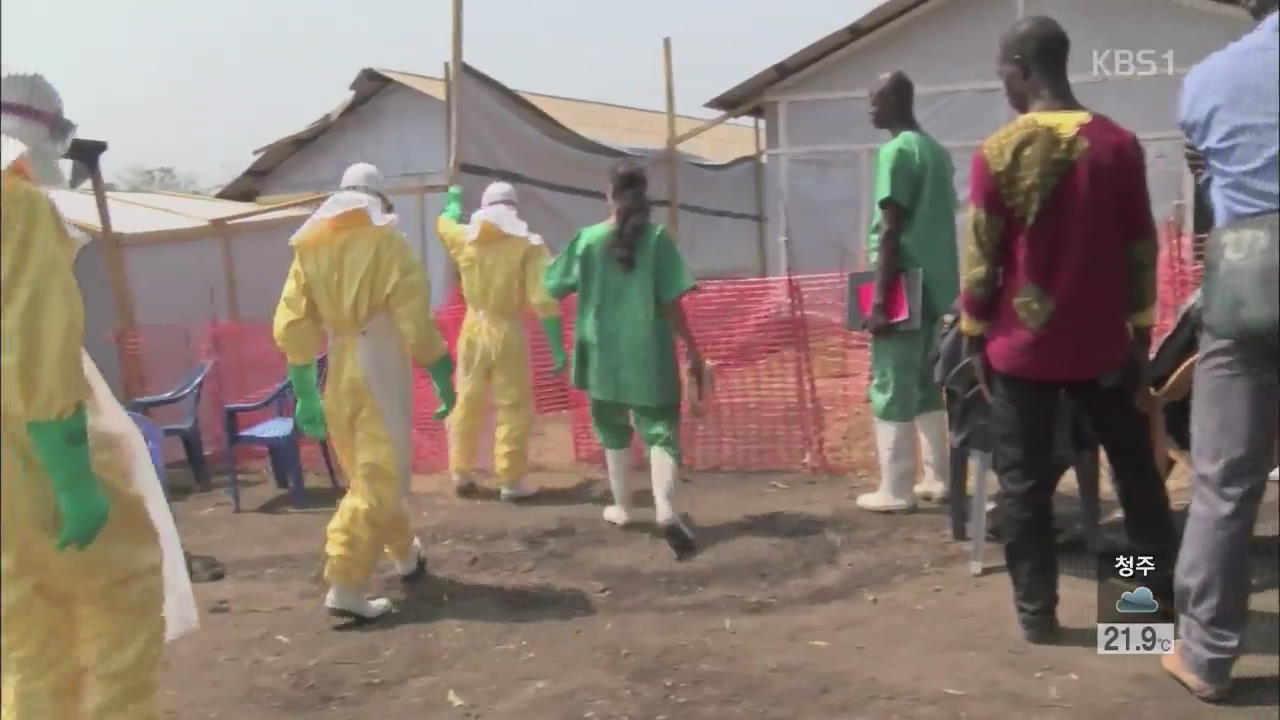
point(915, 171)
point(624, 347)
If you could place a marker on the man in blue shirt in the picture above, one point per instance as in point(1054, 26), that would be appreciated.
point(1229, 113)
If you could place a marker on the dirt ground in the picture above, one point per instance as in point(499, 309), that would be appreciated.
point(799, 608)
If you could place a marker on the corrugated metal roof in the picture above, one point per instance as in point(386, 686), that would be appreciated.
point(141, 214)
point(742, 96)
point(614, 125)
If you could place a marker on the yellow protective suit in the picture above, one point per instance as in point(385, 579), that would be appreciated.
point(362, 284)
point(82, 629)
point(501, 275)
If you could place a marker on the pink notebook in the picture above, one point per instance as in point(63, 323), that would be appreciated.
point(902, 302)
point(896, 307)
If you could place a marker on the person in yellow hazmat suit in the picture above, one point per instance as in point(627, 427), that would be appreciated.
point(501, 265)
point(94, 579)
point(354, 276)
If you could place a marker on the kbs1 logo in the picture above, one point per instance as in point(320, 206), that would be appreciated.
point(1132, 63)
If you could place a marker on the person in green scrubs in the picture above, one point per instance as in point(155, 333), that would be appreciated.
point(630, 278)
point(913, 227)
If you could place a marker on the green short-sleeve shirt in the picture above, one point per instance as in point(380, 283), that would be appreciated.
point(915, 171)
point(624, 347)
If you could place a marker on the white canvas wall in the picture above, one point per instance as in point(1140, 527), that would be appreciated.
point(562, 178)
point(260, 260)
point(177, 283)
point(100, 317)
point(821, 130)
point(402, 132)
point(178, 288)
point(945, 42)
point(1191, 29)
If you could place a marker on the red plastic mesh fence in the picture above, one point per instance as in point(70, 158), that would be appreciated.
point(761, 416)
point(1178, 275)
point(790, 381)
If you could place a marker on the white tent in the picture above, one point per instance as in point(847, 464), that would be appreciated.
point(1128, 60)
point(176, 261)
point(561, 177)
point(556, 151)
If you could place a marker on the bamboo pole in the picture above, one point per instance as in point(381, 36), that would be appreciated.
point(266, 210)
point(428, 189)
point(716, 122)
point(454, 88)
point(448, 122)
point(762, 232)
point(673, 152)
point(126, 318)
point(229, 276)
point(422, 226)
point(452, 178)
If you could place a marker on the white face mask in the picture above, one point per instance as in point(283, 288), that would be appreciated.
point(503, 217)
point(42, 160)
point(45, 139)
point(79, 238)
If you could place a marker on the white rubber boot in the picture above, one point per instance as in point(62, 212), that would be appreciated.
point(896, 449)
point(665, 474)
point(619, 464)
point(517, 490)
point(350, 603)
point(413, 565)
point(936, 454)
point(463, 483)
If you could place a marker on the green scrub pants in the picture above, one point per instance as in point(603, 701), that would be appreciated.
point(658, 426)
point(902, 385)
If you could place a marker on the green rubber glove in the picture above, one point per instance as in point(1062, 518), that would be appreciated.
point(309, 411)
point(442, 379)
point(453, 204)
point(554, 328)
point(63, 449)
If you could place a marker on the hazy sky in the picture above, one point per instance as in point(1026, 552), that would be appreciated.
point(199, 85)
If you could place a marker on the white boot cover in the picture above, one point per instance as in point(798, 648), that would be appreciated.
point(619, 465)
point(350, 603)
point(936, 454)
point(665, 474)
point(517, 490)
point(896, 448)
point(408, 565)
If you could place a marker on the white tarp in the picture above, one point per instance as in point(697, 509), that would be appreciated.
point(822, 146)
point(560, 175)
point(174, 264)
point(561, 178)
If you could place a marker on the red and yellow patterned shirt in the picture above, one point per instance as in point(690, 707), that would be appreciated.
point(1060, 254)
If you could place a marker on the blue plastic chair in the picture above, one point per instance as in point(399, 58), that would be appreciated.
point(188, 428)
point(279, 435)
point(154, 437)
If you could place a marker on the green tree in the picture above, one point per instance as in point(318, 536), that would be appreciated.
point(151, 179)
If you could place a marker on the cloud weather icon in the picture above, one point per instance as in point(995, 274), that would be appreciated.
point(1139, 601)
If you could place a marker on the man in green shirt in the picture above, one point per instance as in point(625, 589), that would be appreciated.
point(913, 227)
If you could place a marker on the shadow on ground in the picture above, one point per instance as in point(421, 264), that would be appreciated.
point(435, 598)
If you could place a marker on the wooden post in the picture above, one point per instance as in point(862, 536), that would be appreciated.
point(448, 122)
point(422, 226)
point(126, 320)
point(762, 231)
point(454, 91)
point(229, 275)
point(673, 152)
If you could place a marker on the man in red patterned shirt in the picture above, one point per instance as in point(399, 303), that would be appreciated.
point(1058, 293)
